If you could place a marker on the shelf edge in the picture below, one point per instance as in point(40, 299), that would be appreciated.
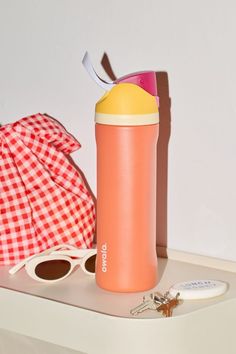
point(197, 259)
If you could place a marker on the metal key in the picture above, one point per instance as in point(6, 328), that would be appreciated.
point(161, 299)
point(167, 307)
point(147, 304)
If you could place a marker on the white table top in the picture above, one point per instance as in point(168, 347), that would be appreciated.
point(76, 314)
point(80, 290)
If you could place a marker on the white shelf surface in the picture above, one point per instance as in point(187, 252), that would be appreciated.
point(78, 315)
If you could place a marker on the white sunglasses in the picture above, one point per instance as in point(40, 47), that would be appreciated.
point(55, 263)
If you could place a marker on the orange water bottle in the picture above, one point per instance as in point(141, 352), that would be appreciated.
point(126, 136)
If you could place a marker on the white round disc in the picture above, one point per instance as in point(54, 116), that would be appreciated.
point(198, 289)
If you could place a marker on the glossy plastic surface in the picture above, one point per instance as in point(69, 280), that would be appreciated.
point(127, 99)
point(143, 79)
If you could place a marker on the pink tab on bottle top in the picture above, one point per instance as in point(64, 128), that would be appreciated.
point(145, 79)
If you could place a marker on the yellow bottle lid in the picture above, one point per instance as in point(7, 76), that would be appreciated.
point(127, 104)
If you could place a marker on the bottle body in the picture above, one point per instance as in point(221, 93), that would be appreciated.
point(126, 207)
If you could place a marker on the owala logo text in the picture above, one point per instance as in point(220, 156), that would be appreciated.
point(104, 257)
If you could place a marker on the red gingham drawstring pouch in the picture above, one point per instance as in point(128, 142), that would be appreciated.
point(43, 198)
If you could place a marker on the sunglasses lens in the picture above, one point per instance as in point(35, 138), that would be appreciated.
point(90, 264)
point(53, 269)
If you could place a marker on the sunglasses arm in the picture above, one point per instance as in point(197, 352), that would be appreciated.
point(78, 253)
point(20, 265)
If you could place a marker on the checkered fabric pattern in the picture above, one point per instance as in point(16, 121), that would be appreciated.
point(43, 198)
